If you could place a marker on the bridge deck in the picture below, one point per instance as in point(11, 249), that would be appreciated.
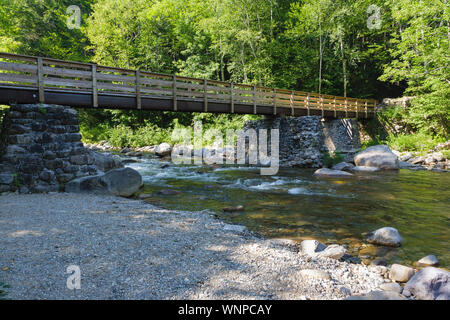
point(27, 79)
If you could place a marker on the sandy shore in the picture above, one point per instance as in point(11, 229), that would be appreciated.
point(129, 249)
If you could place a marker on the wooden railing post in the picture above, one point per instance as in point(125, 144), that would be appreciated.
point(94, 86)
point(275, 102)
point(334, 106)
point(254, 99)
point(205, 95)
point(40, 74)
point(356, 109)
point(321, 105)
point(365, 107)
point(174, 92)
point(292, 103)
point(138, 89)
point(232, 97)
point(346, 108)
point(307, 103)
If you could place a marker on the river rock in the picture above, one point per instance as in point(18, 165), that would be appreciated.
point(169, 192)
point(401, 273)
point(325, 172)
point(315, 274)
point(406, 156)
point(430, 284)
point(106, 161)
point(343, 166)
point(233, 209)
point(428, 261)
point(121, 182)
point(311, 247)
point(333, 251)
point(391, 286)
point(364, 169)
point(163, 149)
point(386, 236)
point(379, 156)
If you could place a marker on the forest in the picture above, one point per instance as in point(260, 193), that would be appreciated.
point(356, 48)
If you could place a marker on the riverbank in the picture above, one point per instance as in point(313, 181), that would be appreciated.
point(129, 249)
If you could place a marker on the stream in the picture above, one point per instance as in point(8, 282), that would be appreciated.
point(296, 205)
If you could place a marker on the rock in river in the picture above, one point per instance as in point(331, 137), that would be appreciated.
point(121, 182)
point(379, 156)
point(343, 166)
point(430, 284)
point(325, 172)
point(428, 261)
point(311, 247)
point(386, 236)
point(333, 251)
point(164, 149)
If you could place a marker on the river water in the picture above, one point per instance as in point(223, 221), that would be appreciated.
point(295, 205)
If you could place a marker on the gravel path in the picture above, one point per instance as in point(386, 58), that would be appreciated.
point(129, 249)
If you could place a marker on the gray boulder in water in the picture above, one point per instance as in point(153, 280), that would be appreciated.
point(121, 182)
point(106, 161)
point(430, 284)
point(379, 156)
point(164, 149)
point(386, 236)
point(325, 172)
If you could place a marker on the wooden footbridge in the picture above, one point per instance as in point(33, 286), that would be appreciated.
point(28, 79)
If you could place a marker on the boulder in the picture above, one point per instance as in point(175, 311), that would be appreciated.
point(343, 166)
point(333, 251)
point(428, 261)
point(311, 247)
point(164, 149)
point(386, 236)
point(122, 182)
point(430, 284)
point(401, 273)
point(406, 156)
point(364, 169)
point(325, 172)
point(106, 161)
point(379, 156)
point(235, 228)
point(391, 286)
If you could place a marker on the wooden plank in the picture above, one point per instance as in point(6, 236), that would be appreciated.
point(115, 87)
point(365, 108)
point(19, 67)
point(174, 92)
point(321, 106)
point(40, 80)
point(14, 77)
point(94, 86)
point(274, 102)
point(334, 106)
point(357, 109)
point(68, 83)
point(346, 108)
point(116, 77)
point(138, 90)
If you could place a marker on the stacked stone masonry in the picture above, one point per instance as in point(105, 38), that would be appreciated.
point(41, 149)
point(304, 140)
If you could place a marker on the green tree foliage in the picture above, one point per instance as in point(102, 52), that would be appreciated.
point(326, 46)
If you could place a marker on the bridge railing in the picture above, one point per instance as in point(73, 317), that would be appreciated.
point(53, 74)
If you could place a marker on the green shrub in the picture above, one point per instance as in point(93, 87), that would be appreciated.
point(420, 141)
point(329, 159)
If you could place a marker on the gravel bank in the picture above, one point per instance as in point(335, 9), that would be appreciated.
point(129, 249)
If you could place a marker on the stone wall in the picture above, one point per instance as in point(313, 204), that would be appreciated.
point(41, 149)
point(304, 140)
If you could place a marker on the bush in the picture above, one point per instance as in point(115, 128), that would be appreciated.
point(331, 158)
point(420, 141)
